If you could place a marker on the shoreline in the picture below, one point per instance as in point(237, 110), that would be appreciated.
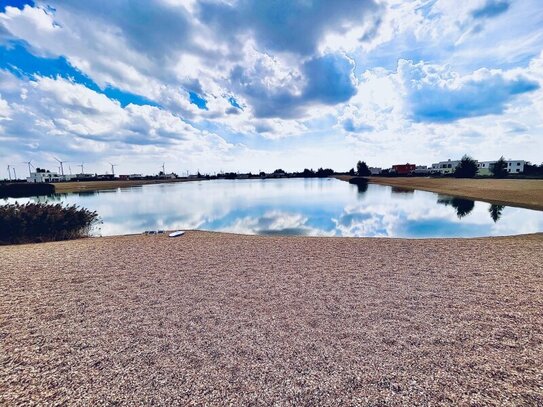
point(209, 318)
point(521, 193)
point(67, 187)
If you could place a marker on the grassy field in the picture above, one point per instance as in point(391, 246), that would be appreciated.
point(516, 192)
point(64, 187)
point(216, 319)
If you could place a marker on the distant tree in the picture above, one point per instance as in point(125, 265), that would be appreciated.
point(499, 169)
point(262, 174)
point(467, 168)
point(324, 172)
point(230, 175)
point(279, 171)
point(351, 171)
point(533, 169)
point(307, 173)
point(362, 169)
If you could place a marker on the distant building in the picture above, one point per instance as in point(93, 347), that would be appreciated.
point(130, 176)
point(421, 170)
point(445, 167)
point(375, 170)
point(44, 176)
point(80, 177)
point(403, 169)
point(105, 176)
point(513, 167)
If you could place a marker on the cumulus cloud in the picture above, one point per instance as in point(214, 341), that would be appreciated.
point(57, 116)
point(237, 79)
point(329, 79)
point(286, 26)
point(492, 8)
point(435, 94)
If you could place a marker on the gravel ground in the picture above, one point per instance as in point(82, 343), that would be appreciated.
point(215, 319)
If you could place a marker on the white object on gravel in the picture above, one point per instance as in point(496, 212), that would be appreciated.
point(177, 233)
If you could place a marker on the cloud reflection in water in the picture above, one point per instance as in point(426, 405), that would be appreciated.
point(314, 207)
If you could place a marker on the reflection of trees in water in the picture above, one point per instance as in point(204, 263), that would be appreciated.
point(361, 184)
point(496, 212)
point(463, 206)
point(401, 190)
point(362, 187)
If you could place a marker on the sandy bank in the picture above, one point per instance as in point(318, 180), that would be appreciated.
point(216, 318)
point(515, 192)
point(64, 187)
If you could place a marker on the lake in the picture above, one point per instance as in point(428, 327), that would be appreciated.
point(314, 207)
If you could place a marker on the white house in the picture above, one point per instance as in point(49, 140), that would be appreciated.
point(421, 170)
point(445, 167)
point(375, 170)
point(39, 177)
point(513, 167)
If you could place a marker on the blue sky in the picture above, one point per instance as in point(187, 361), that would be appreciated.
point(242, 85)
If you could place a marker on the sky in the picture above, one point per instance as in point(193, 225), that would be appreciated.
point(239, 85)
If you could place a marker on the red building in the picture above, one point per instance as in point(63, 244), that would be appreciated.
point(404, 169)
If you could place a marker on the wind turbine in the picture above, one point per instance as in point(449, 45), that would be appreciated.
point(82, 167)
point(113, 168)
point(29, 165)
point(163, 170)
point(61, 166)
point(9, 172)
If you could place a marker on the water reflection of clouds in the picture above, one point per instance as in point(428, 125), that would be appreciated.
point(300, 206)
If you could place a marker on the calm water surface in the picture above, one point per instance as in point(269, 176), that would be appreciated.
point(316, 207)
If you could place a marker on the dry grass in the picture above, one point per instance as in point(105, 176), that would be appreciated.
point(65, 187)
point(215, 319)
point(524, 193)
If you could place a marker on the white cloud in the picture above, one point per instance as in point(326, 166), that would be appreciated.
point(330, 78)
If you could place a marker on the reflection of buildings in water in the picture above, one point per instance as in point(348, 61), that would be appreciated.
point(49, 198)
point(463, 206)
point(87, 193)
point(496, 211)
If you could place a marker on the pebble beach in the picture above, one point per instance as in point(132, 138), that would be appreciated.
point(215, 319)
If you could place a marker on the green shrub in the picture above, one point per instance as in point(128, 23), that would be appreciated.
point(39, 222)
